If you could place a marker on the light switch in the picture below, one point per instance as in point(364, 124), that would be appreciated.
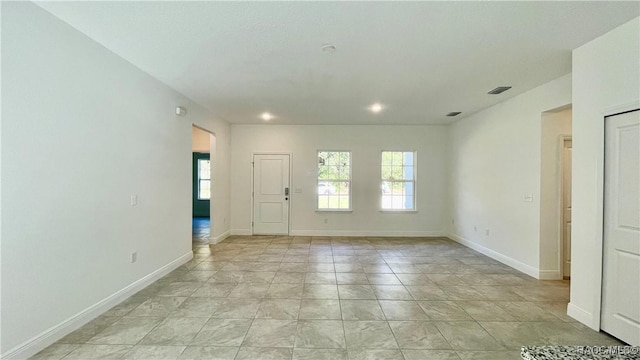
point(134, 200)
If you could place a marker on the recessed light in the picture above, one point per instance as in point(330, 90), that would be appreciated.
point(376, 108)
point(454, 113)
point(266, 116)
point(499, 90)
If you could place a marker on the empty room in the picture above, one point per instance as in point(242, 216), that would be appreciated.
point(320, 180)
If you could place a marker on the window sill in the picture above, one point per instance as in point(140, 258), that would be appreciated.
point(399, 211)
point(334, 211)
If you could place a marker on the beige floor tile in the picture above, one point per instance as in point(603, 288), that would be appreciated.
point(485, 310)
point(197, 307)
point(222, 332)
point(374, 354)
point(402, 310)
point(352, 292)
point(320, 310)
point(361, 310)
point(254, 353)
point(467, 335)
point(285, 291)
point(209, 353)
point(271, 333)
point(308, 297)
point(369, 335)
point(128, 330)
point(215, 290)
point(391, 292)
point(239, 308)
point(279, 309)
point(443, 310)
point(320, 354)
point(431, 355)
point(175, 331)
point(418, 335)
point(323, 334)
point(312, 291)
point(156, 352)
point(158, 306)
point(85, 352)
point(55, 352)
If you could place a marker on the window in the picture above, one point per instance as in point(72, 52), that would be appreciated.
point(204, 179)
point(334, 180)
point(398, 183)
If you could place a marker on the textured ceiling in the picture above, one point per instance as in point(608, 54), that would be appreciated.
point(420, 59)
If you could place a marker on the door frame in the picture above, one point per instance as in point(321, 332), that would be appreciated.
point(605, 244)
point(252, 189)
point(213, 239)
point(595, 319)
point(560, 237)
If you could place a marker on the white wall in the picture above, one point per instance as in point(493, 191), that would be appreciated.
point(494, 163)
point(606, 79)
point(366, 144)
point(201, 141)
point(554, 126)
point(82, 130)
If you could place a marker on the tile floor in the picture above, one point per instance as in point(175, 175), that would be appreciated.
point(333, 298)
point(201, 229)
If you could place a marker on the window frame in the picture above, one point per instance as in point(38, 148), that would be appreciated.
point(413, 181)
point(200, 179)
point(318, 181)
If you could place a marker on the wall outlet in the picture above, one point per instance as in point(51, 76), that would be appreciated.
point(527, 198)
point(134, 200)
point(134, 257)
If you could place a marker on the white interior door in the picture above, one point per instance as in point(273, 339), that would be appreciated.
point(621, 269)
point(271, 194)
point(566, 208)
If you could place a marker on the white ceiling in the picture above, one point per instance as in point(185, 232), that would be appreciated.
point(420, 59)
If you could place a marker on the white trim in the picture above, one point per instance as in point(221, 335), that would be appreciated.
point(560, 238)
point(583, 316)
point(57, 332)
point(594, 321)
point(242, 232)
point(529, 270)
point(219, 238)
point(549, 275)
point(367, 233)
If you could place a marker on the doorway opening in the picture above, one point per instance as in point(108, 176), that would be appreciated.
point(202, 148)
point(555, 194)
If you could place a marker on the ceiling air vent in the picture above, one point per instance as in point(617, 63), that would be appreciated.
point(454, 113)
point(499, 90)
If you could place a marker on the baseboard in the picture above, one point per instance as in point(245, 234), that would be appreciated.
point(57, 332)
point(582, 316)
point(219, 238)
point(529, 270)
point(242, 232)
point(366, 233)
point(549, 275)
